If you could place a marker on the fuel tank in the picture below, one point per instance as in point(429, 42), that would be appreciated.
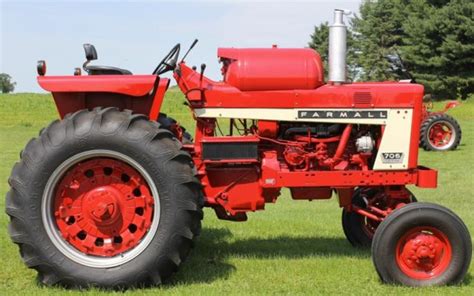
point(258, 69)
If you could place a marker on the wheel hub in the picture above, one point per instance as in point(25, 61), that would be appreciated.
point(103, 207)
point(441, 134)
point(423, 253)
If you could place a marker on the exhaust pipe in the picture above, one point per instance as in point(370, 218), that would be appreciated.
point(337, 47)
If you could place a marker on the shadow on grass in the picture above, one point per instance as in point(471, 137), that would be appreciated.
point(467, 280)
point(208, 261)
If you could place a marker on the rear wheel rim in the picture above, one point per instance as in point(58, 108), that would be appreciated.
point(441, 135)
point(423, 253)
point(100, 208)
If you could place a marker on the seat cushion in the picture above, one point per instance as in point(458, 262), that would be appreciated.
point(107, 70)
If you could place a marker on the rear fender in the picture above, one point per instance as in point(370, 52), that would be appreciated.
point(450, 105)
point(139, 93)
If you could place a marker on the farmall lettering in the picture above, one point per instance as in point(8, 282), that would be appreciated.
point(339, 114)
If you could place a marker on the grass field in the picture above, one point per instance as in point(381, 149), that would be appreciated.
point(293, 247)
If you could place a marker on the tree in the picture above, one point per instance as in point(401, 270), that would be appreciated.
point(439, 46)
point(320, 43)
point(435, 39)
point(378, 32)
point(6, 83)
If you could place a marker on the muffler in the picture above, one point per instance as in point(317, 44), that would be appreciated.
point(338, 47)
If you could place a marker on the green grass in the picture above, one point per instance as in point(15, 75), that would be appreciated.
point(293, 247)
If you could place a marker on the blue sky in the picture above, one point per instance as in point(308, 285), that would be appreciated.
point(135, 35)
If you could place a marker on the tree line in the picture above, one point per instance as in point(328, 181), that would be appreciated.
point(433, 38)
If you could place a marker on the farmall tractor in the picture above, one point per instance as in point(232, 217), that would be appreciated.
point(439, 131)
point(111, 194)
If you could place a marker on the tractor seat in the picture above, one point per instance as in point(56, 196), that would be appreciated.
point(106, 70)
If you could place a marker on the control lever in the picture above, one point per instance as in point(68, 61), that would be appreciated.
point(203, 67)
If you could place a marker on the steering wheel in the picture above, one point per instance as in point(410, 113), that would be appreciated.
point(169, 61)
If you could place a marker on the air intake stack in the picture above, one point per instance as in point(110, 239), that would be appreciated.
point(337, 47)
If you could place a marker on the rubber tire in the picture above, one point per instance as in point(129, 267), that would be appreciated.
point(352, 223)
point(421, 214)
point(424, 132)
point(155, 149)
point(166, 122)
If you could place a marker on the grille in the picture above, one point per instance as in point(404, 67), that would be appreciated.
point(362, 98)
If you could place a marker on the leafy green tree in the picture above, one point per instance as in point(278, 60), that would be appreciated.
point(378, 31)
point(320, 43)
point(6, 83)
point(434, 38)
point(439, 46)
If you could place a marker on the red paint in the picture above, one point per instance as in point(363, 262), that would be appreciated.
point(235, 189)
point(423, 253)
point(253, 69)
point(103, 207)
point(427, 178)
point(132, 85)
point(132, 92)
point(343, 143)
point(211, 94)
point(312, 166)
point(440, 134)
point(267, 128)
point(310, 193)
point(367, 214)
point(223, 95)
point(428, 106)
point(379, 206)
point(294, 156)
point(286, 178)
point(450, 105)
point(226, 139)
point(157, 99)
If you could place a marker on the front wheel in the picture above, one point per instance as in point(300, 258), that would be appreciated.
point(104, 198)
point(422, 244)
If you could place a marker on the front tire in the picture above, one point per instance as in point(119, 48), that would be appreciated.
point(104, 198)
point(422, 244)
point(440, 132)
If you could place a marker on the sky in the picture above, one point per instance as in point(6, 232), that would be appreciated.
point(135, 35)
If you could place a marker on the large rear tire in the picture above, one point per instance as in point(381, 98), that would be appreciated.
point(170, 124)
point(440, 132)
point(422, 244)
point(104, 198)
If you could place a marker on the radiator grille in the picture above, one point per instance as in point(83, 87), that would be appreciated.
point(363, 98)
point(230, 150)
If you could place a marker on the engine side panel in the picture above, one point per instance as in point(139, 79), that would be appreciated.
point(394, 149)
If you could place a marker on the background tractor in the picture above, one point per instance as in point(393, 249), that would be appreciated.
point(439, 131)
point(111, 194)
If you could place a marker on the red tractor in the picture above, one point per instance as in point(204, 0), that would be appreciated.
point(439, 131)
point(111, 194)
